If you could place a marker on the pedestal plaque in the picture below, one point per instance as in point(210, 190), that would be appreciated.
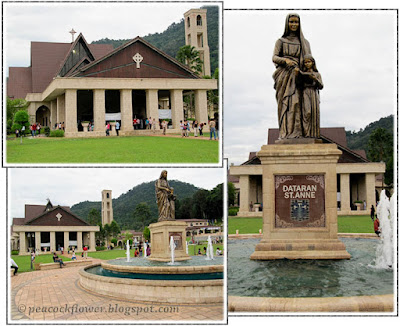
point(160, 235)
point(299, 196)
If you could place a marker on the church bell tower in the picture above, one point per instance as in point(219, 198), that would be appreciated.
point(107, 215)
point(196, 35)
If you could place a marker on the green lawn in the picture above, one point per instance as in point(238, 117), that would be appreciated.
point(24, 262)
point(346, 224)
point(110, 254)
point(133, 149)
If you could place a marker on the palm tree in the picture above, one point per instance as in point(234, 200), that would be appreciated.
point(189, 56)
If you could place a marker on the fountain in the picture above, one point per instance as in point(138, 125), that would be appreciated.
point(128, 253)
point(157, 278)
point(385, 214)
point(210, 249)
point(144, 249)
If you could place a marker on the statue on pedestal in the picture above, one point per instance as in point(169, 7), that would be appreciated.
point(297, 85)
point(165, 198)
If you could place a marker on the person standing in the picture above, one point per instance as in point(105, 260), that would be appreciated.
point(212, 129)
point(153, 125)
point(85, 251)
point(195, 127)
point(117, 126)
point(372, 212)
point(182, 130)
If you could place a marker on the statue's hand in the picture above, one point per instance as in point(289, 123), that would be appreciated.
point(290, 63)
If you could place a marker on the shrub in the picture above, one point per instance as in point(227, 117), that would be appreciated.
point(57, 133)
point(232, 211)
point(14, 252)
point(100, 248)
point(47, 131)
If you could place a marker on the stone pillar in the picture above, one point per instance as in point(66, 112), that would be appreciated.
point(99, 110)
point(66, 240)
point(22, 243)
point(52, 241)
point(126, 109)
point(345, 192)
point(61, 108)
point(370, 190)
point(37, 240)
point(71, 110)
point(79, 240)
point(200, 100)
point(152, 105)
point(244, 184)
point(92, 243)
point(176, 107)
point(53, 114)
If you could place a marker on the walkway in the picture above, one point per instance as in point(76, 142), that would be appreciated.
point(57, 295)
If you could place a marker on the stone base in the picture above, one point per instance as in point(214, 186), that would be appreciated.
point(291, 141)
point(300, 249)
point(160, 234)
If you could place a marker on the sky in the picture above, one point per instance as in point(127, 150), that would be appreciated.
point(355, 52)
point(69, 186)
point(51, 22)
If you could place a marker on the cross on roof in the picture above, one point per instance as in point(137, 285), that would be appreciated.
point(58, 217)
point(138, 59)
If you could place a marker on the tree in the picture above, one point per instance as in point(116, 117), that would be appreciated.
point(231, 194)
point(107, 231)
point(15, 105)
point(21, 118)
point(213, 96)
point(146, 233)
point(142, 215)
point(199, 204)
point(94, 217)
point(189, 56)
point(114, 229)
point(101, 234)
point(380, 149)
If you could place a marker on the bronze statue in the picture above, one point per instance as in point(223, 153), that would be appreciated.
point(293, 110)
point(165, 198)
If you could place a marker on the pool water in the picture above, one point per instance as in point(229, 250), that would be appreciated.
point(307, 278)
point(195, 261)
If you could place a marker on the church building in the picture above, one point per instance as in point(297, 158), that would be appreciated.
point(48, 228)
point(77, 83)
point(357, 188)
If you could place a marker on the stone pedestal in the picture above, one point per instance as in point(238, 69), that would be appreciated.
point(160, 235)
point(299, 196)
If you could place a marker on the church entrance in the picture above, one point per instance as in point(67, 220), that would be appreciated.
point(59, 240)
point(139, 108)
point(43, 116)
point(84, 108)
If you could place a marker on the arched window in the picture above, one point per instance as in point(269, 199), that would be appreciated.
point(108, 195)
point(199, 21)
point(188, 22)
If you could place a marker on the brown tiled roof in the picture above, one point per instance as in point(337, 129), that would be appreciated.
point(46, 58)
point(32, 211)
point(18, 221)
point(337, 135)
point(19, 82)
point(193, 220)
point(360, 152)
point(233, 178)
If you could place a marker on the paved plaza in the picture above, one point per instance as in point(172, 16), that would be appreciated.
point(56, 295)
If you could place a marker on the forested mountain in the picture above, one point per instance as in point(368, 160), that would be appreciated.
point(359, 139)
point(125, 205)
point(173, 37)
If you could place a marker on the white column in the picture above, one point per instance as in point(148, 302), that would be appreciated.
point(345, 192)
point(79, 240)
point(53, 114)
point(92, 244)
point(71, 110)
point(37, 240)
point(370, 190)
point(200, 100)
point(66, 240)
point(99, 109)
point(244, 185)
point(53, 241)
point(61, 108)
point(176, 107)
point(22, 243)
point(126, 109)
point(152, 105)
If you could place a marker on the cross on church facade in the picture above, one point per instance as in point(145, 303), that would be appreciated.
point(58, 217)
point(138, 59)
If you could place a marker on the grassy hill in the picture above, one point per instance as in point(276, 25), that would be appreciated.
point(173, 37)
point(124, 205)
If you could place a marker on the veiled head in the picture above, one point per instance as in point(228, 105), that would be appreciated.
point(292, 24)
point(164, 174)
